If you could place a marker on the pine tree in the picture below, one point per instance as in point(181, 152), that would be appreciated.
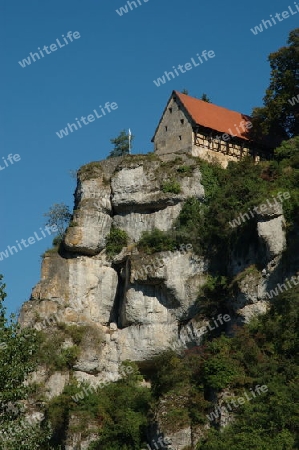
point(121, 144)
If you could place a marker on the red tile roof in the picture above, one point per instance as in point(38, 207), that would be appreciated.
point(215, 117)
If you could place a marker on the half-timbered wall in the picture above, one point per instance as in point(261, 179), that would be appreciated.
point(207, 146)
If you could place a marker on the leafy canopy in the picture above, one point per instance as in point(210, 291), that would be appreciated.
point(17, 361)
point(278, 116)
point(59, 215)
point(121, 144)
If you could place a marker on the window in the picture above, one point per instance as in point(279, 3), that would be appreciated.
point(182, 121)
point(180, 138)
point(166, 128)
point(170, 110)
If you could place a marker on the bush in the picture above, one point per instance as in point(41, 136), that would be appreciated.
point(73, 224)
point(171, 186)
point(156, 241)
point(227, 193)
point(115, 242)
point(52, 354)
point(219, 372)
point(50, 251)
point(118, 410)
point(213, 295)
point(90, 171)
point(186, 170)
point(288, 150)
point(57, 241)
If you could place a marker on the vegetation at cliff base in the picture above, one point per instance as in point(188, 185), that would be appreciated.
point(18, 359)
point(117, 412)
point(184, 387)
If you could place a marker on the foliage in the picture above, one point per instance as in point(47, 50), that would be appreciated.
point(220, 369)
point(78, 332)
point(57, 241)
point(267, 351)
point(264, 352)
point(205, 98)
point(59, 215)
point(90, 171)
point(115, 241)
point(187, 170)
point(17, 361)
point(278, 116)
point(233, 191)
point(73, 223)
point(172, 186)
point(118, 411)
point(186, 225)
point(288, 151)
point(156, 241)
point(213, 295)
point(170, 373)
point(53, 353)
point(121, 144)
point(50, 251)
point(75, 332)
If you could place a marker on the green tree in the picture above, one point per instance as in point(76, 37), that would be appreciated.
point(121, 144)
point(278, 117)
point(288, 152)
point(17, 360)
point(58, 215)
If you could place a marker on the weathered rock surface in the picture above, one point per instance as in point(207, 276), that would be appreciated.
point(140, 304)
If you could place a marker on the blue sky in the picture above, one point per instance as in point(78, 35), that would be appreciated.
point(116, 59)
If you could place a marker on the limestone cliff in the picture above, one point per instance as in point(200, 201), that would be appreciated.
point(140, 304)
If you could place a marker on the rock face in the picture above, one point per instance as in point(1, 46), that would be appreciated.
point(138, 301)
point(253, 285)
point(140, 304)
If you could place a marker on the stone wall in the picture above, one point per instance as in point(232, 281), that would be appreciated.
point(174, 133)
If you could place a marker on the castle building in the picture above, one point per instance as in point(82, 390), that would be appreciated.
point(190, 125)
